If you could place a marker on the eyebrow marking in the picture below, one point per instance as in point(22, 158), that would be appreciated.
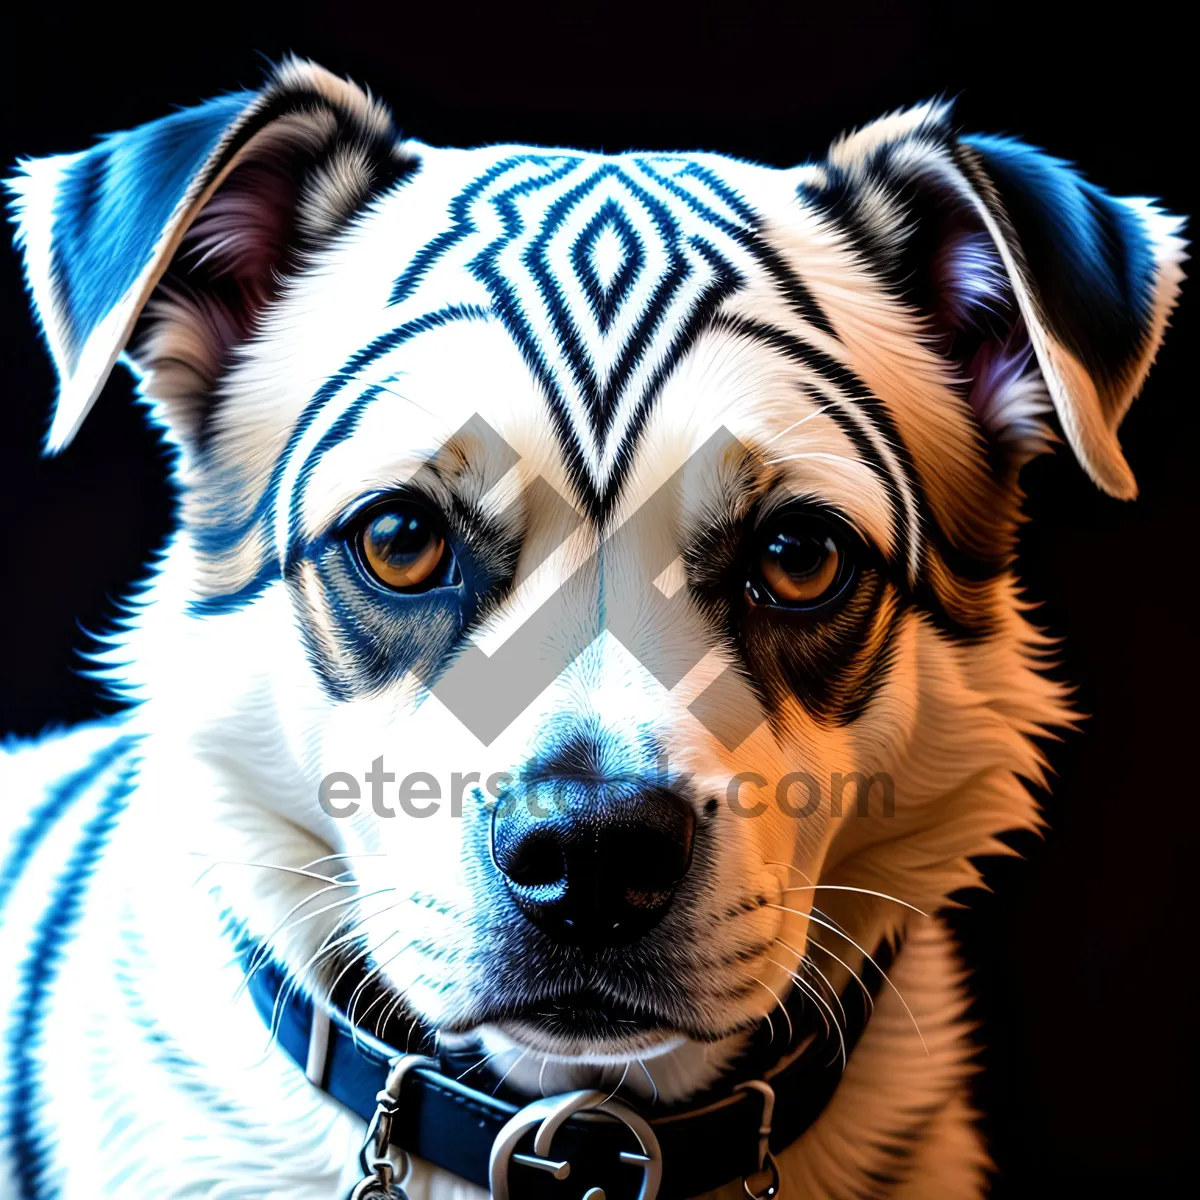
point(863, 418)
point(283, 495)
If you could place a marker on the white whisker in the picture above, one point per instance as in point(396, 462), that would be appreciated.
point(838, 887)
point(808, 965)
point(387, 995)
point(316, 862)
point(263, 954)
point(822, 1006)
point(485, 1059)
point(866, 991)
point(512, 1065)
point(361, 957)
point(328, 947)
point(377, 969)
point(386, 1013)
point(887, 978)
point(650, 1077)
point(413, 1027)
point(796, 425)
point(787, 866)
point(266, 866)
point(783, 1008)
point(265, 946)
point(620, 1083)
point(822, 455)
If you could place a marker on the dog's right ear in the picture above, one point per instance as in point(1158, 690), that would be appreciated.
point(1009, 257)
point(193, 221)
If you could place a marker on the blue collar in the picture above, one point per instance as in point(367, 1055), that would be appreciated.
point(768, 1102)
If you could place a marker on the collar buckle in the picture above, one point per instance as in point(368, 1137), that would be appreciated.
point(548, 1114)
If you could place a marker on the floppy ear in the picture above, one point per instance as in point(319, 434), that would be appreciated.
point(1033, 282)
point(205, 211)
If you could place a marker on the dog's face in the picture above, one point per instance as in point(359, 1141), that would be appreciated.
point(605, 518)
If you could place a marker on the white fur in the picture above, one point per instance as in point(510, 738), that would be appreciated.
point(236, 730)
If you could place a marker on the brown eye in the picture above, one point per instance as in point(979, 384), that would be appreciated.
point(401, 547)
point(801, 564)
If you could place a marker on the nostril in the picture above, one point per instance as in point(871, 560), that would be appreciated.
point(600, 871)
point(536, 860)
point(652, 862)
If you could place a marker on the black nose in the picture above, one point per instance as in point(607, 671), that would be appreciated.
point(593, 864)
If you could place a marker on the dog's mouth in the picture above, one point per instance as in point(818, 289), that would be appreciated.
point(582, 1022)
point(587, 1015)
point(583, 1039)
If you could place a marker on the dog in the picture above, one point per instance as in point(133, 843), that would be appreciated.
point(590, 652)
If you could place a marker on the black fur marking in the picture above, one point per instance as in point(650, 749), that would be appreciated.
point(956, 595)
point(847, 385)
point(834, 666)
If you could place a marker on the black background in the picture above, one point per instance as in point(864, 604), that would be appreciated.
point(1081, 955)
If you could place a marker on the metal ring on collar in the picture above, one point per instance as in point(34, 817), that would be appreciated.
point(766, 1163)
point(548, 1115)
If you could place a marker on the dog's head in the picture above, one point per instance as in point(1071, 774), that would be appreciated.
point(610, 557)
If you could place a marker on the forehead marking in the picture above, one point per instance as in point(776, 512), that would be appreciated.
point(603, 271)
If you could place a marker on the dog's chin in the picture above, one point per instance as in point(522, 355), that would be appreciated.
point(586, 1027)
point(586, 1043)
point(546, 1056)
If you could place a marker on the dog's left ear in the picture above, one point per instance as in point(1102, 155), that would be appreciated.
point(196, 220)
point(1008, 254)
